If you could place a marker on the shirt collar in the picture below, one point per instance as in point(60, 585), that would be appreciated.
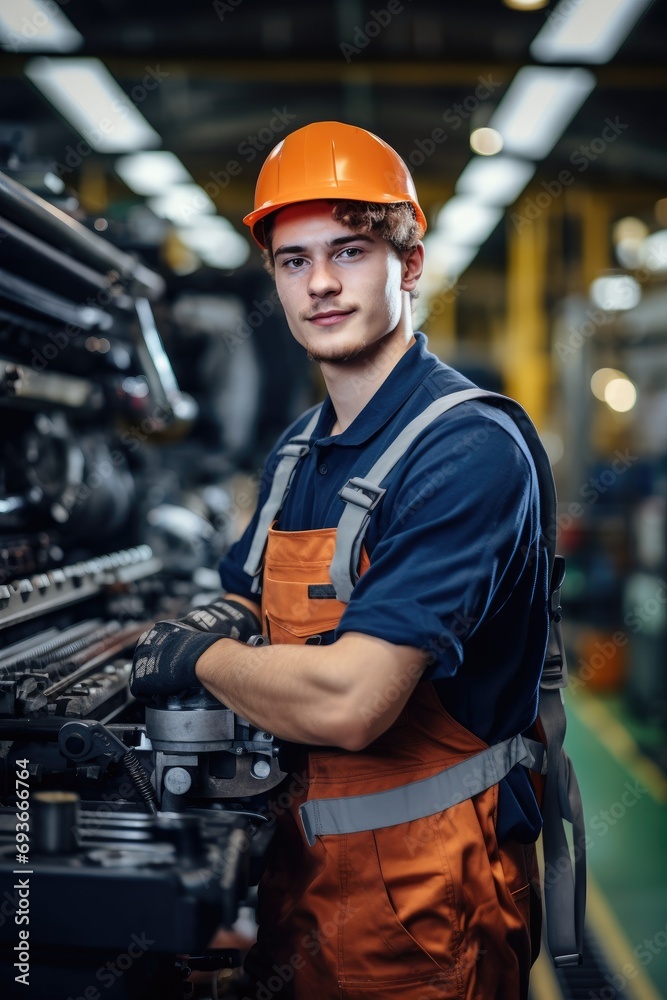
point(401, 382)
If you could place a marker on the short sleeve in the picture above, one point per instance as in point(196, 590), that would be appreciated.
point(462, 521)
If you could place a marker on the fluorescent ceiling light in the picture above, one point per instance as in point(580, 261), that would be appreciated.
point(468, 221)
point(496, 181)
point(85, 92)
point(589, 31)
point(153, 172)
point(182, 204)
point(537, 106)
point(446, 259)
point(216, 242)
point(35, 26)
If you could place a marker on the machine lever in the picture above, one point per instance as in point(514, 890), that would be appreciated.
point(84, 739)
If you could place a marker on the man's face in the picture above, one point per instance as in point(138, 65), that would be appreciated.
point(341, 291)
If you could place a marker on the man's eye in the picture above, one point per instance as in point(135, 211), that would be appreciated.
point(351, 252)
point(294, 262)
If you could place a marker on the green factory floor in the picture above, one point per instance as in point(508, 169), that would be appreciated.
point(625, 802)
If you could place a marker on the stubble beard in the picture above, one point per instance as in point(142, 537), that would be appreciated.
point(336, 357)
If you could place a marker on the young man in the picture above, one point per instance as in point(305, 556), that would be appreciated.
point(394, 656)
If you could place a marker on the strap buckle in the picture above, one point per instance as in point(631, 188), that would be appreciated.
point(292, 449)
point(563, 961)
point(554, 671)
point(361, 493)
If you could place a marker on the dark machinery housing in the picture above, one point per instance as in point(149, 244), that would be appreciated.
point(126, 837)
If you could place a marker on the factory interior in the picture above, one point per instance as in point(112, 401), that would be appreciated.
point(146, 370)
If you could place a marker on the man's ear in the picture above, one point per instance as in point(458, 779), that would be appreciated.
point(413, 265)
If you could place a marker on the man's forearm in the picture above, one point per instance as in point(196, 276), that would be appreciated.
point(314, 694)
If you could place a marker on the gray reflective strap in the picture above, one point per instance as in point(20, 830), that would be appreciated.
point(289, 454)
point(354, 813)
point(564, 887)
point(362, 495)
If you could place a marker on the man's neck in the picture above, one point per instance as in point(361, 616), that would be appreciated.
point(352, 384)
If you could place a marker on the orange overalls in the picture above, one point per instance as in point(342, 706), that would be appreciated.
point(431, 908)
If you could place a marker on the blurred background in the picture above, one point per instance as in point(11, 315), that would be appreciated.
point(131, 136)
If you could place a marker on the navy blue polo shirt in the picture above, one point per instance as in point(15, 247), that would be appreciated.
point(454, 545)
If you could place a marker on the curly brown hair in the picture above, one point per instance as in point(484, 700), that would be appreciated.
point(395, 222)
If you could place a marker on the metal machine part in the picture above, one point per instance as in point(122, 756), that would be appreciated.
point(154, 888)
point(155, 817)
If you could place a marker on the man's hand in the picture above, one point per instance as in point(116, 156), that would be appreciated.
point(166, 655)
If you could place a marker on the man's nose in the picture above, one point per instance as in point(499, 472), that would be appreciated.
point(323, 279)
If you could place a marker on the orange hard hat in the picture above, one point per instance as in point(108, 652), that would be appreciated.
point(330, 160)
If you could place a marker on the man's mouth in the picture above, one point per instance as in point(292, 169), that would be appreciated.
point(330, 317)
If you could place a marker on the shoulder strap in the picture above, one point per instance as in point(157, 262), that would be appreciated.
point(361, 496)
point(290, 453)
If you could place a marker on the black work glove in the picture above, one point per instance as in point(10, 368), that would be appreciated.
point(166, 655)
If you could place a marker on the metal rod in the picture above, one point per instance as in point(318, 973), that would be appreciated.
point(39, 252)
point(125, 638)
point(37, 216)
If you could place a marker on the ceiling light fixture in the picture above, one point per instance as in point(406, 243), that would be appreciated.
point(152, 172)
point(34, 26)
point(182, 204)
point(446, 259)
point(216, 242)
point(85, 92)
point(588, 31)
point(467, 220)
point(496, 181)
point(537, 106)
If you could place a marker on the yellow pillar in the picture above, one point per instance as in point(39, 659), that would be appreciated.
point(594, 211)
point(92, 187)
point(525, 357)
point(440, 325)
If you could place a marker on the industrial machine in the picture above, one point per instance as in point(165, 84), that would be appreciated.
point(128, 836)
